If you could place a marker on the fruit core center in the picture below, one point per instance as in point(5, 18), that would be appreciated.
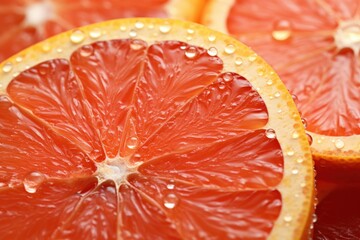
point(38, 13)
point(347, 35)
point(114, 169)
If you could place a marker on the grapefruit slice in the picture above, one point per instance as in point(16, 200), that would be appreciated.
point(25, 22)
point(314, 46)
point(155, 129)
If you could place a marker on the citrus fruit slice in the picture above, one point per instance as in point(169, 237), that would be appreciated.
point(314, 46)
point(25, 22)
point(158, 129)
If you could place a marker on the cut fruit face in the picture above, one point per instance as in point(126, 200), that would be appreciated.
point(25, 23)
point(314, 46)
point(167, 131)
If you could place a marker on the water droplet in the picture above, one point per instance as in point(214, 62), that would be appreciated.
point(7, 67)
point(339, 143)
point(211, 38)
point(86, 50)
point(15, 74)
point(287, 218)
point(170, 201)
point(295, 135)
point(304, 122)
point(136, 45)
point(77, 36)
point(227, 77)
point(139, 25)
point(310, 139)
point(32, 181)
point(295, 171)
point(212, 51)
point(314, 218)
point(300, 160)
point(282, 30)
point(295, 98)
point(229, 49)
point(269, 82)
point(132, 33)
point(277, 94)
point(44, 69)
point(270, 133)
point(253, 57)
point(222, 86)
point(132, 143)
point(260, 72)
point(95, 33)
point(46, 47)
point(290, 152)
point(18, 59)
point(190, 31)
point(238, 61)
point(171, 185)
point(165, 28)
point(190, 52)
point(123, 28)
point(59, 50)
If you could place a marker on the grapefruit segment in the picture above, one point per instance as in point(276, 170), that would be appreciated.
point(202, 213)
point(142, 218)
point(39, 214)
point(28, 146)
point(51, 92)
point(200, 121)
point(109, 88)
point(97, 214)
point(248, 161)
point(174, 73)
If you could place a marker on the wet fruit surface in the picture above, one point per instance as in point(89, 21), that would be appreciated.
point(140, 133)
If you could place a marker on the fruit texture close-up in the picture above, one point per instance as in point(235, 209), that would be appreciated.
point(154, 129)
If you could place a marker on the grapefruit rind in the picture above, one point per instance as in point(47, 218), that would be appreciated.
point(297, 184)
point(344, 149)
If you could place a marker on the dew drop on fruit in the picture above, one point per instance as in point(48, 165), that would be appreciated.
point(253, 57)
point(227, 77)
point(222, 86)
point(339, 143)
point(294, 97)
point(277, 94)
point(282, 30)
point(171, 185)
point(132, 142)
point(18, 59)
point(304, 122)
point(212, 51)
point(238, 61)
point(77, 36)
point(290, 152)
point(295, 135)
point(269, 82)
point(132, 33)
point(300, 160)
point(190, 31)
point(211, 38)
point(229, 49)
point(314, 218)
point(45, 47)
point(287, 218)
point(32, 181)
point(190, 52)
point(170, 201)
point(95, 33)
point(295, 171)
point(86, 50)
point(7, 67)
point(309, 138)
point(270, 133)
point(165, 28)
point(139, 25)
